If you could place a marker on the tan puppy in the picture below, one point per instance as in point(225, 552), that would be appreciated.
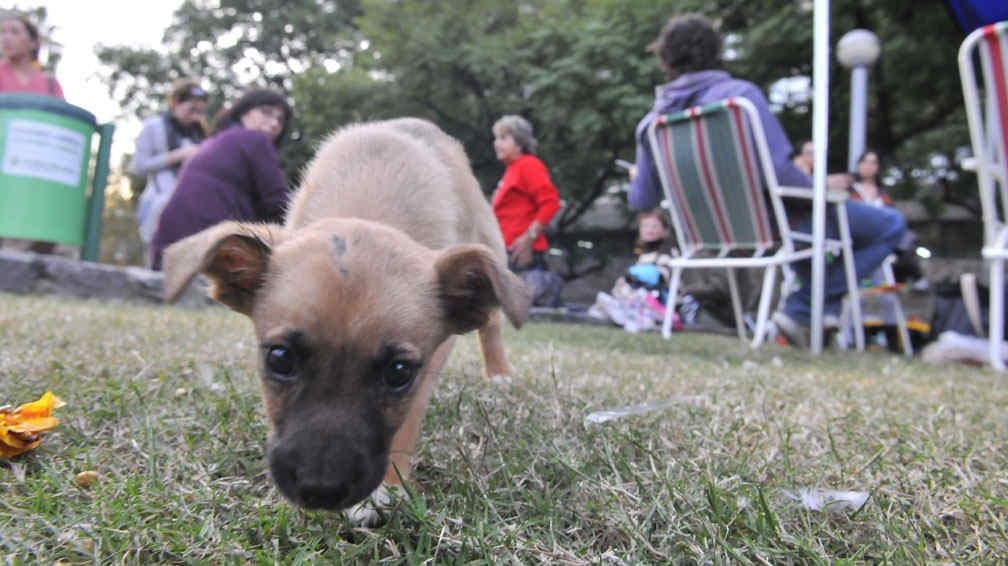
point(389, 250)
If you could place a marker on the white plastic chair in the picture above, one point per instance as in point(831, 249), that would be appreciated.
point(713, 162)
point(985, 91)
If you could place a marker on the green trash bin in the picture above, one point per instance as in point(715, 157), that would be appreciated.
point(45, 165)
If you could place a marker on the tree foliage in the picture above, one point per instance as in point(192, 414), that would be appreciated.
point(231, 44)
point(915, 100)
point(578, 69)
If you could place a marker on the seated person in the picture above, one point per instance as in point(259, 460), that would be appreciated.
point(865, 186)
point(689, 48)
point(235, 175)
point(638, 298)
point(804, 157)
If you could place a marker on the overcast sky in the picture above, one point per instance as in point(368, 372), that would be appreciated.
point(79, 25)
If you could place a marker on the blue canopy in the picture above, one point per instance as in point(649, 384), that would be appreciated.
point(971, 14)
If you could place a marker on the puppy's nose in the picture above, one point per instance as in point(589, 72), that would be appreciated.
point(323, 495)
point(317, 479)
point(283, 463)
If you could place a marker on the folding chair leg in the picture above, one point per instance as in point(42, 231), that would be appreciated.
point(901, 322)
point(787, 281)
point(995, 315)
point(852, 282)
point(769, 278)
point(845, 329)
point(736, 301)
point(666, 330)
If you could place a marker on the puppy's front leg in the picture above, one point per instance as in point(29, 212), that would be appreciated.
point(368, 512)
point(492, 347)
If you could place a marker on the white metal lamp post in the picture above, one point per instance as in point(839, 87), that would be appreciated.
point(857, 50)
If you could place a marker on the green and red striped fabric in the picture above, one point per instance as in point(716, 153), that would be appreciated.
point(994, 59)
point(710, 173)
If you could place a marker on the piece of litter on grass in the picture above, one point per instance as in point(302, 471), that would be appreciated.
point(86, 478)
point(749, 365)
point(828, 499)
point(777, 362)
point(612, 414)
point(500, 380)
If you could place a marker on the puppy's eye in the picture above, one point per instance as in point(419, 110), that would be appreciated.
point(399, 374)
point(280, 361)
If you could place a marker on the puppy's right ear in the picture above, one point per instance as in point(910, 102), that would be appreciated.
point(472, 283)
point(232, 254)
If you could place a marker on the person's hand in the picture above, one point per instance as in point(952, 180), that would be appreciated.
point(631, 168)
point(187, 151)
point(521, 250)
point(839, 181)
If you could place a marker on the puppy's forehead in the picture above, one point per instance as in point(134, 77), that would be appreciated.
point(348, 283)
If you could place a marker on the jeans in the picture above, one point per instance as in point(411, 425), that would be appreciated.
point(875, 233)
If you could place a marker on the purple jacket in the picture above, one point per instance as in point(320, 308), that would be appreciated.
point(235, 175)
point(697, 89)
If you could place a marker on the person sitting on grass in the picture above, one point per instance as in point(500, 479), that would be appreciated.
point(639, 297)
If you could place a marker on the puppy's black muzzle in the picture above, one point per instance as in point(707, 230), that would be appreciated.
point(317, 470)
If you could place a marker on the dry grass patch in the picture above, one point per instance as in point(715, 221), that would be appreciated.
point(163, 404)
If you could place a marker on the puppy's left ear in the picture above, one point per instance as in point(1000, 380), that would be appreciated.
point(472, 282)
point(232, 254)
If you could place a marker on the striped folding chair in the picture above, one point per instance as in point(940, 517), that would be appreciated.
point(713, 162)
point(985, 90)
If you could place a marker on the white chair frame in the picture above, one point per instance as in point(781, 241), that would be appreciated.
point(991, 164)
point(784, 255)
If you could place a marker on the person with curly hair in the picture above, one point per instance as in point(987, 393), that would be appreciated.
point(689, 51)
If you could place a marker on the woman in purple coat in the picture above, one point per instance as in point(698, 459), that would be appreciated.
point(235, 175)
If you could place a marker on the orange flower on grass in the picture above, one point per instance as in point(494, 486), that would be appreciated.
point(21, 428)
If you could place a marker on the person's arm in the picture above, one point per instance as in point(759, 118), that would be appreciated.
point(544, 193)
point(149, 156)
point(270, 185)
point(645, 188)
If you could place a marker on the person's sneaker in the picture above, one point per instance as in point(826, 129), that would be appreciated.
point(797, 334)
point(830, 322)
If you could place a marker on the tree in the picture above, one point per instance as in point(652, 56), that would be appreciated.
point(578, 69)
point(232, 45)
point(916, 108)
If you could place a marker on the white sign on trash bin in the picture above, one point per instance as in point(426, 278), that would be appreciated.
point(43, 151)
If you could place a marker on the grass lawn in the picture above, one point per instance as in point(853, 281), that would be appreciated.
point(164, 404)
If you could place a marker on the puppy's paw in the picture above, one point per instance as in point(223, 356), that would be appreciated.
point(500, 380)
point(371, 511)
